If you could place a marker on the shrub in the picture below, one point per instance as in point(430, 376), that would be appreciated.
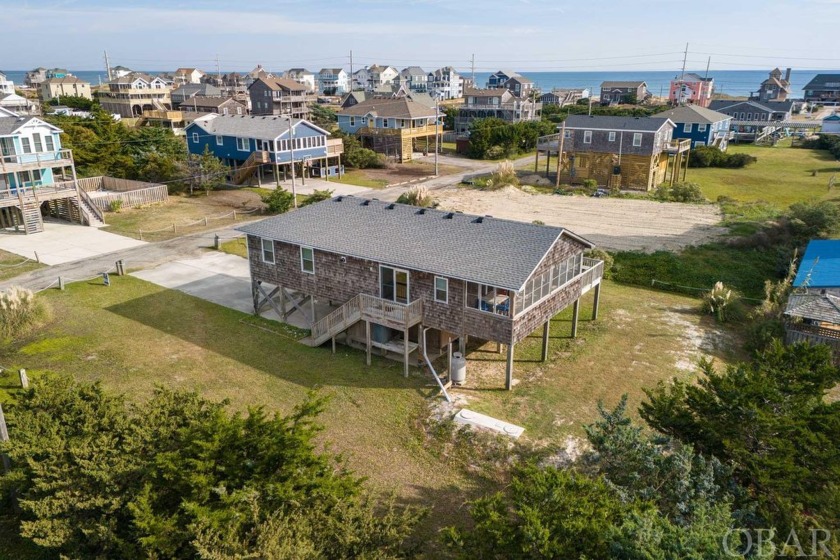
point(679, 192)
point(709, 156)
point(278, 201)
point(417, 196)
point(20, 312)
point(317, 196)
point(115, 205)
point(813, 219)
point(590, 184)
point(505, 175)
point(364, 158)
point(722, 302)
point(602, 255)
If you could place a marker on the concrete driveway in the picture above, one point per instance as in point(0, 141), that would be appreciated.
point(63, 242)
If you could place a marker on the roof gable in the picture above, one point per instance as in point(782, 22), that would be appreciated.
point(600, 122)
point(693, 114)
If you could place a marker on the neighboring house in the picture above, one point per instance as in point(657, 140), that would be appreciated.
point(278, 96)
point(754, 110)
point(36, 175)
point(420, 97)
point(186, 92)
point(823, 88)
point(394, 127)
point(6, 86)
point(304, 77)
point(498, 79)
point(498, 103)
point(34, 77)
point(702, 126)
point(130, 95)
point(333, 81)
point(520, 86)
point(413, 78)
point(380, 76)
point(70, 86)
point(263, 145)
point(831, 124)
point(774, 88)
point(18, 104)
point(218, 105)
point(563, 97)
point(188, 76)
point(620, 152)
point(691, 89)
point(57, 73)
point(813, 309)
point(623, 92)
point(255, 74)
point(360, 79)
point(120, 71)
point(409, 282)
point(233, 80)
point(353, 98)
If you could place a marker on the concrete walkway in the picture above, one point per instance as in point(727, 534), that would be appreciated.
point(62, 242)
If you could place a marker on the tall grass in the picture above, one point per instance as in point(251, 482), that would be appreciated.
point(20, 312)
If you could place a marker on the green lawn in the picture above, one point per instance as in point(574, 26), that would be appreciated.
point(12, 265)
point(781, 176)
point(236, 247)
point(359, 178)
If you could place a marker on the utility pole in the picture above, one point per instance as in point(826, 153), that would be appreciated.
point(218, 70)
point(351, 70)
point(682, 75)
point(107, 66)
point(437, 133)
point(472, 69)
point(292, 156)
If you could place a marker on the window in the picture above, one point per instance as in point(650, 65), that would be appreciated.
point(39, 146)
point(441, 289)
point(384, 123)
point(268, 251)
point(549, 281)
point(701, 128)
point(749, 116)
point(488, 299)
point(587, 136)
point(686, 128)
point(307, 260)
point(243, 144)
point(219, 140)
point(27, 146)
point(568, 134)
point(612, 136)
point(225, 111)
point(239, 110)
point(195, 137)
point(393, 284)
point(637, 139)
point(699, 143)
point(352, 121)
point(49, 141)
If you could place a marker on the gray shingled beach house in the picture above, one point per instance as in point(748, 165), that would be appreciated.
point(396, 275)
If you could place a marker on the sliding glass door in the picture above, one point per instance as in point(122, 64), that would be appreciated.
point(393, 284)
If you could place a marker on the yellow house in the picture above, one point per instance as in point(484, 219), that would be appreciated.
point(69, 86)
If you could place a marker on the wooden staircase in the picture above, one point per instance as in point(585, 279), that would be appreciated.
point(336, 322)
point(85, 212)
point(32, 220)
point(246, 171)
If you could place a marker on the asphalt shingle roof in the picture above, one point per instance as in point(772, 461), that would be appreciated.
point(8, 125)
point(277, 84)
point(247, 126)
point(651, 124)
point(820, 80)
point(400, 108)
point(693, 114)
point(618, 84)
point(820, 307)
point(491, 251)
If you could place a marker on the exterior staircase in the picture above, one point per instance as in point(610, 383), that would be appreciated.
point(250, 166)
point(336, 322)
point(32, 220)
point(88, 213)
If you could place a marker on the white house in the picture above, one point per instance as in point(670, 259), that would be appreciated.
point(6, 85)
point(333, 81)
point(302, 76)
point(188, 76)
point(831, 124)
point(445, 83)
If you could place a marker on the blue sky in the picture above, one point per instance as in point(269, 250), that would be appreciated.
point(536, 35)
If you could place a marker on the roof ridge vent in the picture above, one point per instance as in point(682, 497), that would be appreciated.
point(366, 202)
point(449, 216)
point(391, 206)
point(479, 220)
point(339, 198)
point(421, 211)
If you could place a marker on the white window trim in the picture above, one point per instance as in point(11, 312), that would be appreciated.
point(243, 141)
point(262, 251)
point(687, 127)
point(195, 137)
point(302, 268)
point(587, 136)
point(220, 140)
point(611, 137)
point(435, 289)
point(701, 128)
point(637, 136)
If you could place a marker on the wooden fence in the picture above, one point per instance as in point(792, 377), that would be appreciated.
point(133, 198)
point(89, 184)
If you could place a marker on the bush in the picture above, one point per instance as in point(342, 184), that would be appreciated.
point(505, 175)
point(679, 192)
point(722, 302)
point(20, 312)
point(417, 196)
point(115, 205)
point(590, 184)
point(317, 196)
point(813, 219)
point(602, 255)
point(279, 201)
point(364, 158)
point(709, 156)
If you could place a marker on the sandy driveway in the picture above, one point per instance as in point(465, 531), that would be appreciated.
point(611, 223)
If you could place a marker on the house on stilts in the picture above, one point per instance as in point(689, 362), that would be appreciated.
point(388, 277)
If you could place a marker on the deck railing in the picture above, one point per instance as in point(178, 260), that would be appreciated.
point(593, 270)
point(400, 314)
point(677, 146)
point(35, 160)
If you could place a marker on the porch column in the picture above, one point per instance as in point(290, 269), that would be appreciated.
point(449, 359)
point(367, 341)
point(575, 312)
point(282, 294)
point(255, 295)
point(596, 301)
point(312, 306)
point(405, 352)
point(509, 368)
point(276, 174)
point(537, 161)
point(546, 331)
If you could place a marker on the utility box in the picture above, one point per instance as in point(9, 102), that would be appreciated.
point(458, 375)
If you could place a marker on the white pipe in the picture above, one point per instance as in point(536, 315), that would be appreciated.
point(434, 373)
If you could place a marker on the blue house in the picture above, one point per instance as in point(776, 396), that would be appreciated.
point(31, 151)
point(702, 126)
point(265, 145)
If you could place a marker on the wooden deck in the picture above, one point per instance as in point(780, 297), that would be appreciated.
point(35, 194)
point(41, 160)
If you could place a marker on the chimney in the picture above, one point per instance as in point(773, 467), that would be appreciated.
point(787, 75)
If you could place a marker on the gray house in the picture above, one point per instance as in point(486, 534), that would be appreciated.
point(623, 92)
point(278, 96)
point(408, 282)
point(824, 88)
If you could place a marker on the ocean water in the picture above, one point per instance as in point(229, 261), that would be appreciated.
point(730, 82)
